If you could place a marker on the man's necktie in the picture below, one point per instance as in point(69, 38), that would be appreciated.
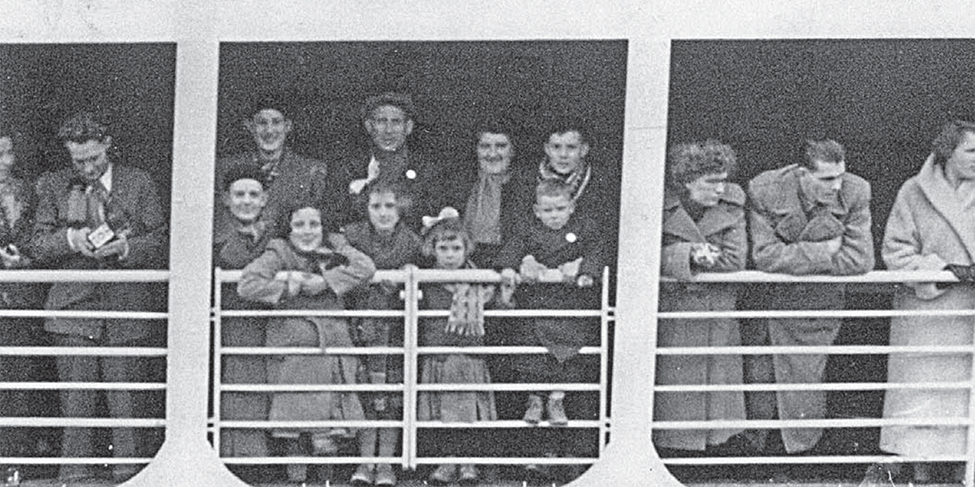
point(97, 195)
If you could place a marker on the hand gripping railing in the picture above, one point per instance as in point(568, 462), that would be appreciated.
point(411, 278)
point(100, 276)
point(875, 282)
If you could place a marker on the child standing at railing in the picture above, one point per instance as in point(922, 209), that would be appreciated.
point(557, 245)
point(391, 245)
point(309, 271)
point(449, 244)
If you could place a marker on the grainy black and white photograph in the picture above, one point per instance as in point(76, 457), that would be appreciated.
point(502, 243)
point(378, 161)
point(818, 187)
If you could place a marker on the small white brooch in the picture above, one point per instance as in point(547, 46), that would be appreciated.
point(410, 174)
point(571, 237)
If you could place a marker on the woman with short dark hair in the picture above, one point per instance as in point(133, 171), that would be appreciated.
point(703, 231)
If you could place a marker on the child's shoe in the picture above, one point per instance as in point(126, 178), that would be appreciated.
point(364, 475)
point(556, 413)
point(444, 474)
point(535, 408)
point(385, 475)
point(323, 445)
point(467, 474)
point(297, 472)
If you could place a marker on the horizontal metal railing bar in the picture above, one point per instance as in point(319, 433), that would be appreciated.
point(508, 460)
point(395, 350)
point(84, 313)
point(573, 423)
point(521, 313)
point(816, 349)
point(73, 461)
point(421, 460)
point(811, 423)
point(830, 386)
point(335, 313)
point(578, 387)
point(892, 277)
point(262, 425)
point(812, 313)
point(52, 422)
point(848, 459)
point(501, 424)
point(311, 387)
point(92, 275)
point(422, 275)
point(85, 351)
point(491, 313)
point(93, 386)
point(323, 460)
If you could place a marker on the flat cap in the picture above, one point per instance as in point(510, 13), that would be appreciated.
point(399, 100)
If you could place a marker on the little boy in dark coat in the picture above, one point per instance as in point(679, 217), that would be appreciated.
point(564, 247)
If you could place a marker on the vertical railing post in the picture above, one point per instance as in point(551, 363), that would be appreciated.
point(604, 362)
point(970, 447)
point(410, 365)
point(186, 457)
point(217, 380)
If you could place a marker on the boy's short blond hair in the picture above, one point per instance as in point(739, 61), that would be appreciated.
point(552, 188)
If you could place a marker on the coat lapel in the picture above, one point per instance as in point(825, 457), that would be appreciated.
point(943, 198)
point(680, 224)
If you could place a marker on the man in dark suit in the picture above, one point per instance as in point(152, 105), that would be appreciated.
point(388, 119)
point(100, 214)
point(288, 177)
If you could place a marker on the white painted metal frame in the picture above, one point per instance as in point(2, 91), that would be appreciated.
point(875, 277)
point(412, 278)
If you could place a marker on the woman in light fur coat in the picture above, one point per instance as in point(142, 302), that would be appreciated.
point(932, 225)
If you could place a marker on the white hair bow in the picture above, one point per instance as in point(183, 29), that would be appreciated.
point(447, 212)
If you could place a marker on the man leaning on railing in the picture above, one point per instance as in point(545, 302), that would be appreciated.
point(806, 218)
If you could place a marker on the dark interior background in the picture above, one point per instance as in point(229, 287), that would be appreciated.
point(454, 85)
point(132, 84)
point(884, 100)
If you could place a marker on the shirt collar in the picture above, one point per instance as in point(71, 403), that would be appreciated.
point(106, 179)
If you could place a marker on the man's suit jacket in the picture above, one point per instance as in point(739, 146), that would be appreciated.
point(133, 195)
point(428, 183)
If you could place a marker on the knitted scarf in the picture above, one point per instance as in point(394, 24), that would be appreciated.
point(483, 214)
point(577, 180)
point(467, 307)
